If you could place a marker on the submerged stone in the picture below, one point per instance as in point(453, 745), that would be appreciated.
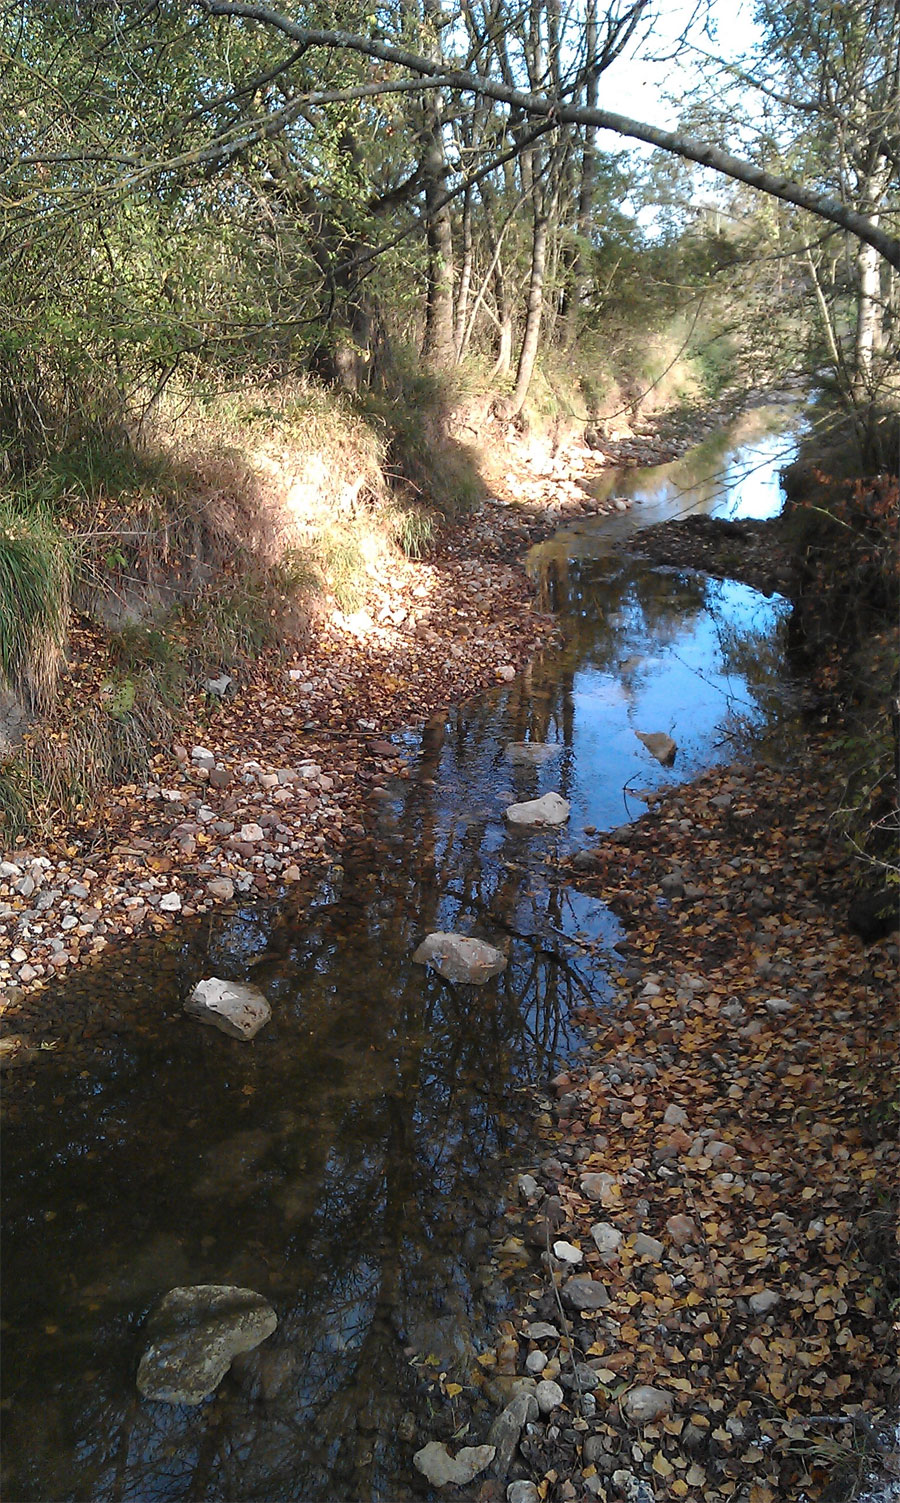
point(456, 957)
point(232, 1007)
point(552, 809)
point(195, 1332)
point(532, 753)
point(659, 745)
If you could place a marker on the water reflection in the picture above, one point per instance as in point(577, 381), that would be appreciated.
point(346, 1165)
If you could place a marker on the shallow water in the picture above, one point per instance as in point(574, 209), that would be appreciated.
point(349, 1164)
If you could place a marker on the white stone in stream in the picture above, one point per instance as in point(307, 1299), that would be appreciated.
point(170, 902)
point(552, 809)
point(195, 1332)
point(458, 958)
point(532, 753)
point(221, 887)
point(659, 745)
point(238, 1010)
point(441, 1469)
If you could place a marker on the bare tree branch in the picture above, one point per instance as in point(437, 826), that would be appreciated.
point(557, 110)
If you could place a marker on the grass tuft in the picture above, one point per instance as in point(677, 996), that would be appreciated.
point(35, 582)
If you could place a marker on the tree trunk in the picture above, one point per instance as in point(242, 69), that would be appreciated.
point(868, 311)
point(439, 348)
point(535, 307)
point(465, 280)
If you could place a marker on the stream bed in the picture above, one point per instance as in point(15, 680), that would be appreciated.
point(350, 1164)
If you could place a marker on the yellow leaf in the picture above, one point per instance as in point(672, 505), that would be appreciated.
point(678, 1488)
point(696, 1475)
point(662, 1467)
point(452, 1389)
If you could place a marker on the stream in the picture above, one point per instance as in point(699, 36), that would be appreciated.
point(350, 1165)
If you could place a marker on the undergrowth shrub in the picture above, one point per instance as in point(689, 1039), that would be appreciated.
point(35, 581)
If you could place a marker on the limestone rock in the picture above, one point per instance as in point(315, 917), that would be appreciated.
point(659, 745)
point(458, 958)
point(648, 1247)
point(607, 1239)
point(567, 1253)
point(507, 1427)
point(644, 1404)
point(600, 1187)
point(195, 1332)
point(584, 1293)
point(441, 1469)
point(238, 1010)
point(552, 809)
point(549, 1395)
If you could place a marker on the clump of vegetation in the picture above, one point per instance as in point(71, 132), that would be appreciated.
point(35, 581)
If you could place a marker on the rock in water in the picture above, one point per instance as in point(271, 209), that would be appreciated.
point(195, 1332)
point(532, 753)
point(238, 1010)
point(458, 958)
point(435, 1462)
point(659, 745)
point(552, 809)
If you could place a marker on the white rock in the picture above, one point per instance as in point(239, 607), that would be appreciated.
point(202, 756)
point(607, 1239)
point(221, 887)
point(441, 1469)
point(459, 958)
point(251, 833)
point(549, 1395)
point(506, 673)
point(238, 1010)
point(527, 1184)
point(535, 1362)
point(659, 745)
point(552, 809)
point(219, 686)
point(566, 1253)
point(170, 902)
point(644, 1404)
point(762, 1303)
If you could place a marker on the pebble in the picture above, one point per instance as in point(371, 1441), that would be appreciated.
point(522, 1492)
point(549, 1395)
